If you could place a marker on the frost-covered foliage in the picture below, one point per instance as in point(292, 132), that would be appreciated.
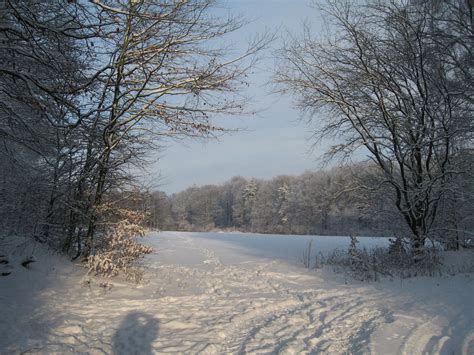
point(359, 260)
point(117, 250)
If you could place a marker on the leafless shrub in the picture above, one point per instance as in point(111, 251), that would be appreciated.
point(306, 257)
point(392, 261)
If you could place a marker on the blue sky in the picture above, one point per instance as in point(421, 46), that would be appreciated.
point(274, 142)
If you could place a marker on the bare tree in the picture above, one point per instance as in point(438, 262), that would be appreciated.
point(106, 80)
point(38, 69)
point(394, 77)
point(165, 73)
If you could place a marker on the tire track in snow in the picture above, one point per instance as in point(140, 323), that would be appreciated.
point(323, 320)
point(437, 335)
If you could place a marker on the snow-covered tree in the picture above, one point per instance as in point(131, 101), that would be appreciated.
point(394, 78)
point(90, 86)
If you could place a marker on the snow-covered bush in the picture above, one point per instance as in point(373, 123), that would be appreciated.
point(359, 261)
point(397, 247)
point(396, 260)
point(337, 259)
point(118, 250)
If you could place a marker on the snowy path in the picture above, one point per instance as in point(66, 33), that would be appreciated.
point(199, 302)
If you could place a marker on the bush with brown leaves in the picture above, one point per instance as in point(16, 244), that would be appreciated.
point(118, 249)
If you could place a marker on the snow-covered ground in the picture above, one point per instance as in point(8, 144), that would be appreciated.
point(231, 293)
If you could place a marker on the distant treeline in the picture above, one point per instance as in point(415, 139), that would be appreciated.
point(344, 200)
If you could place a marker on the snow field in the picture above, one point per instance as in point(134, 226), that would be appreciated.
point(197, 301)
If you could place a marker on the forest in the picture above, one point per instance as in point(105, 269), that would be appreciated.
point(370, 252)
point(321, 203)
point(338, 201)
point(89, 90)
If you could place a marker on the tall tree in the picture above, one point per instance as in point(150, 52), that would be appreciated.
point(395, 77)
point(38, 71)
point(96, 83)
